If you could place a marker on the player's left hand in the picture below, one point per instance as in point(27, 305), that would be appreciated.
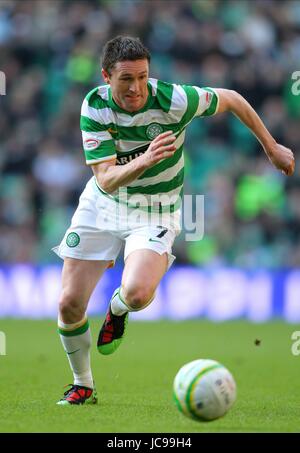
point(283, 159)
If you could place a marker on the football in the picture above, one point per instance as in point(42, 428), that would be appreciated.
point(204, 389)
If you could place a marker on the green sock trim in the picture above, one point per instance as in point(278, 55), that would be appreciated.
point(122, 300)
point(72, 333)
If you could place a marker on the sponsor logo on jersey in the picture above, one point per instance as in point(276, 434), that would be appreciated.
point(122, 160)
point(72, 240)
point(91, 143)
point(126, 157)
point(153, 130)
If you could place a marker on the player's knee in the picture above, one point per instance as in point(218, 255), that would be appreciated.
point(69, 307)
point(137, 297)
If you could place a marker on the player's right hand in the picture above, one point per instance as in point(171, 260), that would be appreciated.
point(160, 148)
point(283, 159)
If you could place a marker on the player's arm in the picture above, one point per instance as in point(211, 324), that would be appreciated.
point(280, 156)
point(111, 176)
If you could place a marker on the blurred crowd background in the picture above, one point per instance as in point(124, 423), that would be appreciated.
point(50, 53)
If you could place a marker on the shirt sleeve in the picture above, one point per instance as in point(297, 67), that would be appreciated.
point(199, 102)
point(98, 144)
point(208, 101)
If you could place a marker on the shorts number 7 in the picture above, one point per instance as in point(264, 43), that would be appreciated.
point(162, 233)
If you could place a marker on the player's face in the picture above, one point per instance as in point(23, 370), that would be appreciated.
point(128, 82)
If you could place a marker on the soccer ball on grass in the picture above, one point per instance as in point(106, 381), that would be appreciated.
point(204, 389)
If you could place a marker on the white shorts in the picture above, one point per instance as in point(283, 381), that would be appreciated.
point(100, 226)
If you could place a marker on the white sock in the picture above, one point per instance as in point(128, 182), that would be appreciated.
point(119, 306)
point(76, 340)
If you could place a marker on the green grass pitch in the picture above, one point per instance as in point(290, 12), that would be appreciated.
point(135, 384)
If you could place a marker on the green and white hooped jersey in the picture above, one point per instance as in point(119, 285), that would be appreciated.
point(110, 132)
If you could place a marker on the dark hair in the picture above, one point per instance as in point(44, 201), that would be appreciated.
point(122, 48)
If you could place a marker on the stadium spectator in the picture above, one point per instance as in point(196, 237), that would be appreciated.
point(48, 52)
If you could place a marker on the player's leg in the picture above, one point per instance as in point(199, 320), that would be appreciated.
point(142, 273)
point(88, 248)
point(145, 264)
point(79, 279)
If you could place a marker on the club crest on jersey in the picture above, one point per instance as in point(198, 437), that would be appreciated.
point(72, 240)
point(153, 130)
point(91, 143)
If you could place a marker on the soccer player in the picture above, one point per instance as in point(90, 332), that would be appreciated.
point(133, 131)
